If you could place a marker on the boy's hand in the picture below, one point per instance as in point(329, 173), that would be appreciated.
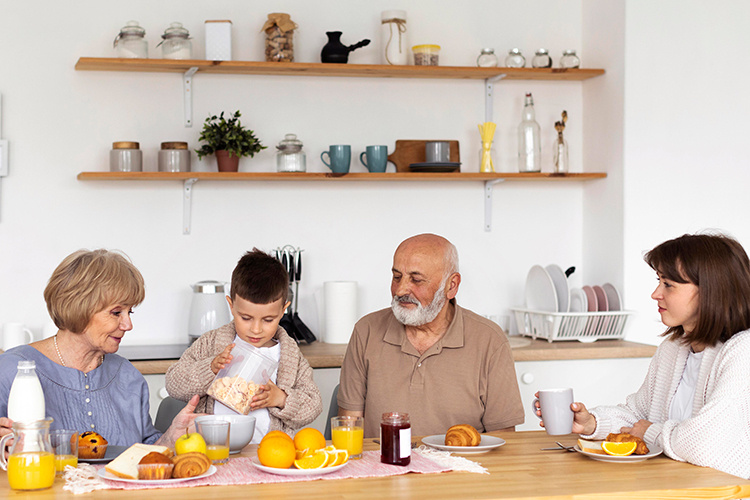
point(269, 396)
point(222, 359)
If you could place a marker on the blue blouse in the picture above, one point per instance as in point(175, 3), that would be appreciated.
point(111, 399)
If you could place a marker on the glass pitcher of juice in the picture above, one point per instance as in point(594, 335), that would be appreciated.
point(31, 462)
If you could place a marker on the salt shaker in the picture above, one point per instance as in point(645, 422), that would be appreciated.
point(541, 59)
point(515, 59)
point(130, 42)
point(569, 59)
point(175, 43)
point(487, 58)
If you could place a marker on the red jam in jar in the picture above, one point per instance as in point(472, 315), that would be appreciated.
point(395, 439)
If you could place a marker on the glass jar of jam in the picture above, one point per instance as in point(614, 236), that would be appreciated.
point(395, 439)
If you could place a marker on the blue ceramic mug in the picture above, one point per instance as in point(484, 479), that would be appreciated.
point(377, 158)
point(340, 156)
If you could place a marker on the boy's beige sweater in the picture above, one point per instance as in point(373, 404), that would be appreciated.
point(192, 374)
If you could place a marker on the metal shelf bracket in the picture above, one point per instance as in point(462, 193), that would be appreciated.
point(488, 188)
point(488, 99)
point(187, 204)
point(187, 93)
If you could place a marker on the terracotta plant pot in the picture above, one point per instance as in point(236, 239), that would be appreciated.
point(227, 163)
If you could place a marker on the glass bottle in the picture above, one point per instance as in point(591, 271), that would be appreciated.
point(393, 37)
point(569, 59)
point(487, 58)
point(515, 59)
point(541, 59)
point(26, 398)
point(290, 157)
point(529, 139)
point(395, 439)
point(31, 461)
point(561, 155)
point(130, 42)
point(176, 43)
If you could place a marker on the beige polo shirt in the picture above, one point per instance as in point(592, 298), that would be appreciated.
point(467, 377)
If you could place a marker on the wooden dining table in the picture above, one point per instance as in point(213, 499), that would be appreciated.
point(517, 470)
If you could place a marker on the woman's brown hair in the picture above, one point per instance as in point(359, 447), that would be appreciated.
point(719, 267)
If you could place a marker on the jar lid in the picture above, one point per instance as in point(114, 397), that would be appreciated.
point(209, 287)
point(393, 14)
point(515, 52)
point(176, 30)
point(426, 47)
point(569, 52)
point(26, 365)
point(125, 145)
point(290, 144)
point(541, 52)
point(218, 21)
point(488, 51)
point(174, 145)
point(132, 28)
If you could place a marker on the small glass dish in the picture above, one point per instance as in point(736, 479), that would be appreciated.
point(155, 472)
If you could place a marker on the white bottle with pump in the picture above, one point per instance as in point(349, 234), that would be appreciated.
point(26, 399)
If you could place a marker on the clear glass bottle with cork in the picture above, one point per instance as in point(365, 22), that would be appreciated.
point(529, 139)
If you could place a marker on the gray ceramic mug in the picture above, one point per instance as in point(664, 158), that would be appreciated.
point(556, 413)
point(340, 156)
point(377, 158)
point(437, 152)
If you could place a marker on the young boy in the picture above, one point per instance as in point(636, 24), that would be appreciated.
point(258, 299)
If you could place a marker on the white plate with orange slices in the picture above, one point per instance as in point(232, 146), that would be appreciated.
point(593, 450)
point(311, 464)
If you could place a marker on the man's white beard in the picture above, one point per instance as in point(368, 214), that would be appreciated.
point(421, 315)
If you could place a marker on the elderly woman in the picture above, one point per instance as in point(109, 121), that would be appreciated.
point(90, 297)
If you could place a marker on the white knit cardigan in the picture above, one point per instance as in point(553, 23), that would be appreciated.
point(717, 434)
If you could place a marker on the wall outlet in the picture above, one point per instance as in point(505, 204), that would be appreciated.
point(3, 157)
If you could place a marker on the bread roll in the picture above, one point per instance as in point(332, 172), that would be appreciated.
point(190, 464)
point(462, 435)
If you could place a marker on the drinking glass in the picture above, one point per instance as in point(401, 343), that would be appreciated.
point(347, 433)
point(65, 445)
point(216, 435)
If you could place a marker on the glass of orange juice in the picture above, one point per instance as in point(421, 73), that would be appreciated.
point(216, 435)
point(65, 446)
point(347, 433)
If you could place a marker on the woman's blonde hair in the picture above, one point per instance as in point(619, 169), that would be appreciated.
point(87, 281)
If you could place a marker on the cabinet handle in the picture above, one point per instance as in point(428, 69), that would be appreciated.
point(527, 378)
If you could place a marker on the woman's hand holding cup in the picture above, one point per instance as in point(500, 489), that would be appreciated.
point(582, 421)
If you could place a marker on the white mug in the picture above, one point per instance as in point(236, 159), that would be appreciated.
point(556, 413)
point(14, 335)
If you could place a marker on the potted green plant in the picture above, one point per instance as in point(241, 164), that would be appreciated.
point(228, 140)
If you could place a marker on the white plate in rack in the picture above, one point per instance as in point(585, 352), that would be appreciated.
point(613, 297)
point(561, 287)
point(540, 290)
point(578, 301)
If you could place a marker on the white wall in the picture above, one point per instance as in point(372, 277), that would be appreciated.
point(61, 122)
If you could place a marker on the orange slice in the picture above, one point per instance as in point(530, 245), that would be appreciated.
point(619, 449)
point(317, 460)
point(337, 457)
point(303, 453)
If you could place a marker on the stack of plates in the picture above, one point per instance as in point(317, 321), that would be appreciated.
point(547, 290)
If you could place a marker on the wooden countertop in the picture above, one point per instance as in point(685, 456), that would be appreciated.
point(517, 470)
point(321, 355)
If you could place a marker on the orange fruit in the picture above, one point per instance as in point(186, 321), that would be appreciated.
point(317, 460)
point(276, 451)
point(309, 438)
point(619, 449)
point(278, 433)
point(337, 457)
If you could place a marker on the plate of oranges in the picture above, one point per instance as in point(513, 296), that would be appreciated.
point(304, 455)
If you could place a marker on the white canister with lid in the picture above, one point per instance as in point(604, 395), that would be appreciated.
point(125, 157)
point(176, 43)
point(174, 157)
point(219, 40)
point(208, 308)
point(395, 48)
point(130, 42)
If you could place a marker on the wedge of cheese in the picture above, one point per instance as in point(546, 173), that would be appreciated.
point(126, 464)
point(591, 446)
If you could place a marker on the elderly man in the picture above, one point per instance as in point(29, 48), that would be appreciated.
point(427, 356)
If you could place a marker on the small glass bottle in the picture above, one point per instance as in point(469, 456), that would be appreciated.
point(487, 58)
point(561, 155)
point(541, 59)
point(529, 139)
point(395, 48)
point(26, 398)
point(395, 439)
point(176, 43)
point(130, 42)
point(290, 157)
point(569, 59)
point(515, 59)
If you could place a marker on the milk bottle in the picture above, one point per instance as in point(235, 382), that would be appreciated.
point(26, 399)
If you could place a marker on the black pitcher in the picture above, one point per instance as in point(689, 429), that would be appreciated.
point(336, 52)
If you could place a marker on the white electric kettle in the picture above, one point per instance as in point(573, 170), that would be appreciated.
point(208, 309)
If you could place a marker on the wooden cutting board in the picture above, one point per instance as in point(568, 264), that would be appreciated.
point(412, 151)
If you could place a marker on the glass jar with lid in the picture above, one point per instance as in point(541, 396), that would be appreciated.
point(515, 59)
point(541, 59)
point(569, 59)
point(175, 43)
point(289, 155)
point(487, 58)
point(130, 42)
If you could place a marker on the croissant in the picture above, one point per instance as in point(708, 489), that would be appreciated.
point(462, 435)
point(190, 464)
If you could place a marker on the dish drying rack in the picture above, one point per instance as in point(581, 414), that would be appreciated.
point(584, 327)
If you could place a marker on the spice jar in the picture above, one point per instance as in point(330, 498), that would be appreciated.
point(395, 439)
point(515, 59)
point(175, 43)
point(279, 30)
point(426, 55)
point(569, 59)
point(174, 157)
point(130, 42)
point(541, 59)
point(125, 157)
point(290, 157)
point(393, 37)
point(487, 58)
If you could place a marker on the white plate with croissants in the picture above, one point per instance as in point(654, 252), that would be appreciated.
point(463, 439)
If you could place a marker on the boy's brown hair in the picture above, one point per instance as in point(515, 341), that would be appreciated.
point(259, 278)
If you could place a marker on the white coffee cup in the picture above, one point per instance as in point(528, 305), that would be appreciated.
point(556, 413)
point(15, 334)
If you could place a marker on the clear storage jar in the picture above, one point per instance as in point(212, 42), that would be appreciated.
point(130, 42)
point(515, 59)
point(541, 59)
point(174, 157)
point(176, 43)
point(569, 59)
point(289, 155)
point(125, 156)
point(426, 55)
point(236, 384)
point(487, 58)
